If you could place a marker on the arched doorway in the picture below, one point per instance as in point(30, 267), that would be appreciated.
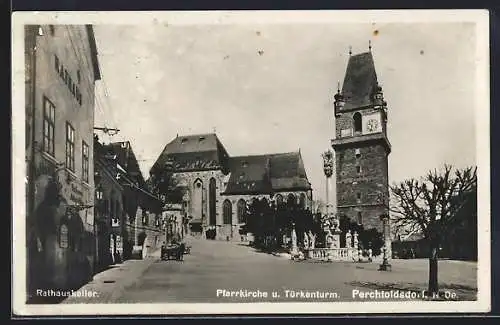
point(291, 199)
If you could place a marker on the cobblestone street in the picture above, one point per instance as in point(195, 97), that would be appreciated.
point(215, 266)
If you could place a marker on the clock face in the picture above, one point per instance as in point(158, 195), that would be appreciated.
point(372, 125)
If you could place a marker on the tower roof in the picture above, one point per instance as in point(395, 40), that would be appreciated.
point(360, 81)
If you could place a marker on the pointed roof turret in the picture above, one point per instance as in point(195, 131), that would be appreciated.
point(360, 81)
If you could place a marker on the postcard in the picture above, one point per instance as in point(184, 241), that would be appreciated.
point(251, 162)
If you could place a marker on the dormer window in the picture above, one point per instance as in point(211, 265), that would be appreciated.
point(244, 164)
point(184, 140)
point(201, 139)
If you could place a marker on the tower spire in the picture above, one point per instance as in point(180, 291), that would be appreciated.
point(370, 45)
point(338, 87)
point(350, 50)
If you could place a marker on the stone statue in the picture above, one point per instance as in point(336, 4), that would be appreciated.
point(306, 241)
point(355, 240)
point(348, 239)
point(329, 241)
point(312, 238)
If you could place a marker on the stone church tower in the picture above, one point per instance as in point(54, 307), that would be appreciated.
point(361, 145)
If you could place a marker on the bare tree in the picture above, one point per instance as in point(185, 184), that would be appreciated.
point(432, 206)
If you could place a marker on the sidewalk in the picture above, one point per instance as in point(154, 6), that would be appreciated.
point(108, 285)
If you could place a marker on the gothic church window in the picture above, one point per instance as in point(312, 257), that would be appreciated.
point(302, 200)
point(211, 201)
point(241, 211)
point(227, 211)
point(279, 199)
point(357, 122)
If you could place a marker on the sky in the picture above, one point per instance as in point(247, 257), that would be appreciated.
point(268, 88)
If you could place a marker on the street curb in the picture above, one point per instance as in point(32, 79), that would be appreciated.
point(119, 292)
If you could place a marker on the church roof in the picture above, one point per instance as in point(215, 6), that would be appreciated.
point(267, 173)
point(192, 153)
point(360, 81)
point(288, 172)
point(249, 175)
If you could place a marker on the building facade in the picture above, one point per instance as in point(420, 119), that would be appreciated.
point(136, 229)
point(61, 70)
point(109, 207)
point(219, 187)
point(361, 146)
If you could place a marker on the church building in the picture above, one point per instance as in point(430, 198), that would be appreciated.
point(218, 187)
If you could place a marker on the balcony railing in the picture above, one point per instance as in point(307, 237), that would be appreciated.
point(332, 254)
